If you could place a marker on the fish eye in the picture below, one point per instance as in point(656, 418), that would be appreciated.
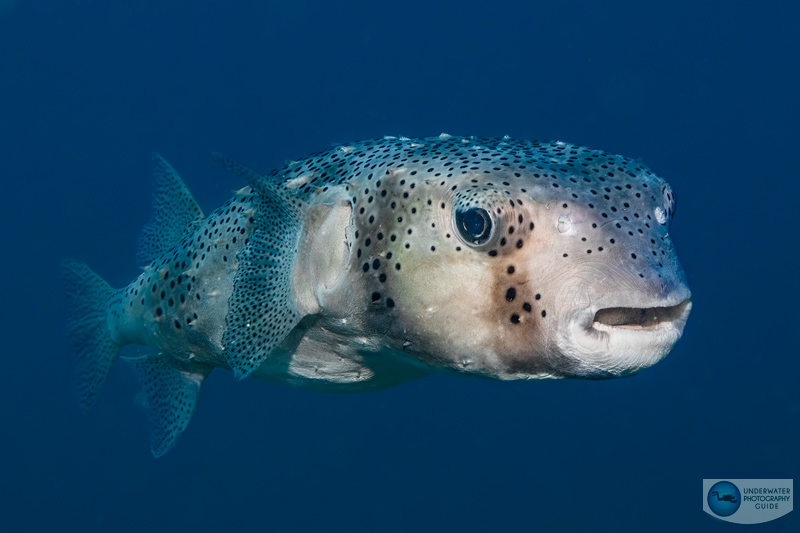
point(475, 225)
point(667, 213)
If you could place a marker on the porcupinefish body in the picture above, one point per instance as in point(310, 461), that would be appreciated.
point(379, 262)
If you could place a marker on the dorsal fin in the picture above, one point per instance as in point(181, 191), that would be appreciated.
point(262, 309)
point(171, 397)
point(174, 209)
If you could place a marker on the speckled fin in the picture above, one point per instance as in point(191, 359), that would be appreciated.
point(262, 309)
point(171, 397)
point(174, 209)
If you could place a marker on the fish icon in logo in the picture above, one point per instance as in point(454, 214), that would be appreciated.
point(724, 498)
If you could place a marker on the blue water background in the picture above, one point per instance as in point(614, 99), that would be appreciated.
point(706, 93)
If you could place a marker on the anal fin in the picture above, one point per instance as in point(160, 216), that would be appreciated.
point(171, 398)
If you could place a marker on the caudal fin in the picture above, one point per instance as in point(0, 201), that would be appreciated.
point(87, 328)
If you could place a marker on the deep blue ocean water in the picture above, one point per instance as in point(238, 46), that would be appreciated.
point(705, 93)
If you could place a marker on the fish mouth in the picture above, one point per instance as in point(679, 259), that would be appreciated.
point(616, 338)
point(640, 318)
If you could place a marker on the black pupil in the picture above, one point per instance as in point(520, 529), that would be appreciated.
point(475, 224)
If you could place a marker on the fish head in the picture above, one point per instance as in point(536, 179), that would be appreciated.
point(537, 260)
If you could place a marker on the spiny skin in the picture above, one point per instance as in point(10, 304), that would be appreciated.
point(375, 263)
point(405, 294)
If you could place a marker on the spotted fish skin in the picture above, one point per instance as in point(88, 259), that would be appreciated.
point(575, 230)
point(378, 262)
point(179, 302)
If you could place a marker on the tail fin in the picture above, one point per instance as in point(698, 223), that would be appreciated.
point(87, 328)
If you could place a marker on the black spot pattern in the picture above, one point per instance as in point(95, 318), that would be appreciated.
point(395, 185)
point(178, 288)
point(261, 310)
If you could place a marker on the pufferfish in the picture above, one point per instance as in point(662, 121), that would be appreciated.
point(379, 262)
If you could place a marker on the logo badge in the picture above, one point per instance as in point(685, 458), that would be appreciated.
point(748, 501)
point(724, 498)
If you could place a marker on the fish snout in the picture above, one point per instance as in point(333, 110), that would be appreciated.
point(617, 328)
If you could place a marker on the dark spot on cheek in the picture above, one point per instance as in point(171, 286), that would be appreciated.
point(376, 296)
point(389, 302)
point(511, 294)
point(527, 307)
point(510, 269)
point(515, 318)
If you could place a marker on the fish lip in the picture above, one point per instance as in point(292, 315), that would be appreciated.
point(642, 318)
point(618, 335)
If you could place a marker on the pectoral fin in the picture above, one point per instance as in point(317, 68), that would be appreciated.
point(262, 309)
